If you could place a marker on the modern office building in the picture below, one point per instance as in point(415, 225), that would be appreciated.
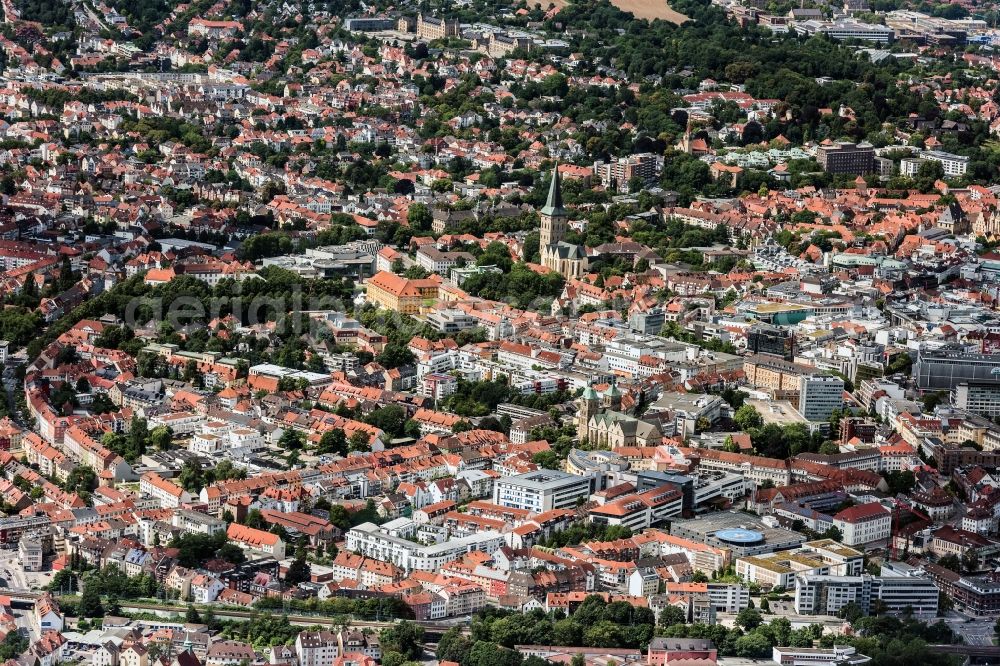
point(728, 597)
point(819, 396)
point(842, 560)
point(827, 595)
point(369, 24)
point(845, 157)
point(843, 29)
point(977, 398)
point(841, 655)
point(771, 570)
point(932, 30)
point(906, 589)
point(543, 490)
point(773, 340)
point(900, 592)
point(947, 367)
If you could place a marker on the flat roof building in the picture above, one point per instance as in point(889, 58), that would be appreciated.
point(846, 157)
point(946, 368)
point(741, 533)
point(846, 29)
point(819, 396)
point(543, 490)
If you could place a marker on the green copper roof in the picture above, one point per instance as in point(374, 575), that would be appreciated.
point(589, 393)
point(554, 202)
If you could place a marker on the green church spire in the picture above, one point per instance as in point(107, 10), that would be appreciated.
point(554, 202)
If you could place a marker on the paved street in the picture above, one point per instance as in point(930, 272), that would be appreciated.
point(25, 625)
point(10, 570)
point(14, 577)
point(975, 631)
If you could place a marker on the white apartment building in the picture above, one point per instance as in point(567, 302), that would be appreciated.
point(437, 386)
point(624, 354)
point(317, 648)
point(543, 490)
point(196, 521)
point(728, 597)
point(372, 541)
point(167, 493)
point(180, 423)
point(954, 165)
point(442, 363)
point(212, 441)
point(30, 551)
point(206, 444)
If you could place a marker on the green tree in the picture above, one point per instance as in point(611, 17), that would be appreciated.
point(419, 217)
point(747, 418)
point(403, 637)
point(359, 441)
point(255, 520)
point(753, 646)
point(829, 448)
point(13, 645)
point(192, 478)
point(851, 612)
point(291, 440)
point(455, 646)
point(390, 419)
point(951, 562)
point(749, 619)
point(484, 653)
point(299, 570)
point(90, 600)
point(395, 355)
point(161, 437)
point(333, 441)
point(548, 459)
point(231, 553)
point(82, 478)
point(192, 616)
point(672, 615)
